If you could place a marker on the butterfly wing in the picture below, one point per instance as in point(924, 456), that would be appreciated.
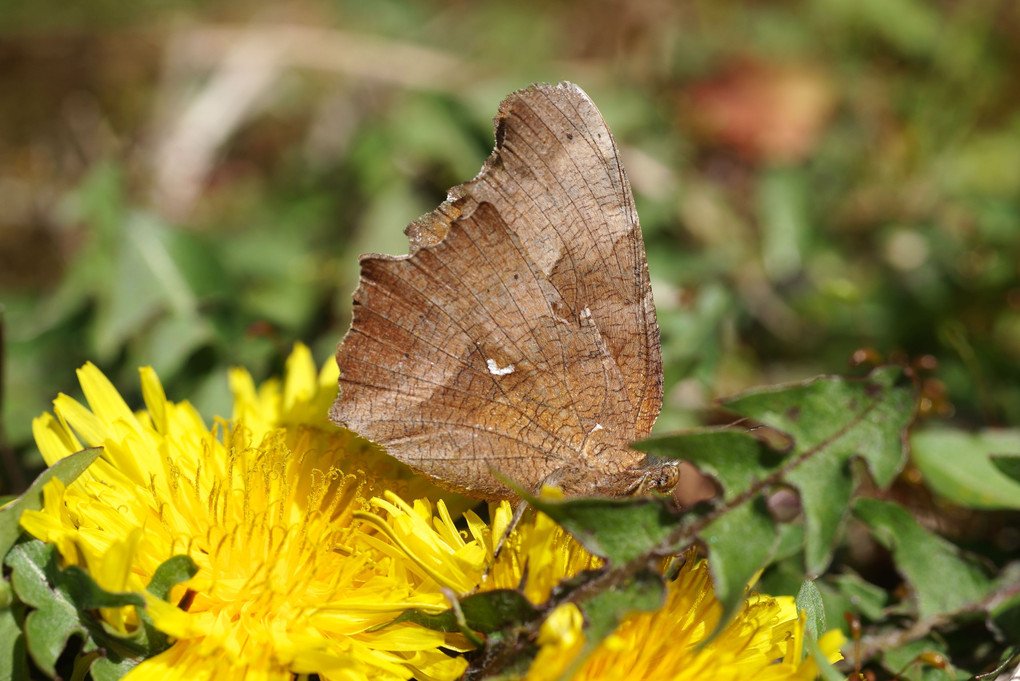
point(520, 329)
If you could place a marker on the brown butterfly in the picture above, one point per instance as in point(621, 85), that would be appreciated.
point(519, 333)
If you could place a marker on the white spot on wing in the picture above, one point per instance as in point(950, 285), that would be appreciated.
point(496, 371)
point(598, 426)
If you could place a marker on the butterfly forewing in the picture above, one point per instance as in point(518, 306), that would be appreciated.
point(521, 323)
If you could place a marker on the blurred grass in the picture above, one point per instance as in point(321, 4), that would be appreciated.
point(189, 186)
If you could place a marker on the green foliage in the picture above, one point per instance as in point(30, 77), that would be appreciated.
point(13, 656)
point(60, 600)
point(831, 422)
point(944, 582)
point(62, 603)
point(618, 530)
point(963, 467)
point(828, 421)
point(811, 603)
point(741, 542)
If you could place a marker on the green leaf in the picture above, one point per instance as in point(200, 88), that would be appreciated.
point(619, 530)
point(149, 283)
point(740, 543)
point(66, 470)
point(860, 596)
point(65, 602)
point(486, 612)
point(1009, 464)
point(62, 600)
point(959, 466)
point(107, 668)
point(743, 539)
point(944, 581)
point(830, 421)
point(13, 658)
point(833, 420)
point(809, 600)
point(902, 661)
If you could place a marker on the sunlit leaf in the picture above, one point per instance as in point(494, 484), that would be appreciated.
point(944, 581)
point(740, 543)
point(809, 601)
point(616, 529)
point(959, 466)
point(833, 420)
point(61, 600)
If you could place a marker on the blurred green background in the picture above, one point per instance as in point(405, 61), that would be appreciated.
point(188, 185)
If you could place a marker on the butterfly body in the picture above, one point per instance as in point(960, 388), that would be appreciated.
point(519, 333)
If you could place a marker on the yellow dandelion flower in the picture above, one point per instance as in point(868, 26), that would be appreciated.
point(764, 641)
point(303, 397)
point(292, 579)
point(535, 557)
point(298, 568)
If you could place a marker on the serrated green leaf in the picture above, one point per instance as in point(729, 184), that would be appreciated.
point(944, 581)
point(62, 600)
point(48, 628)
point(959, 466)
point(486, 612)
point(825, 493)
point(66, 470)
point(615, 529)
point(809, 601)
point(644, 592)
point(831, 421)
point(740, 543)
